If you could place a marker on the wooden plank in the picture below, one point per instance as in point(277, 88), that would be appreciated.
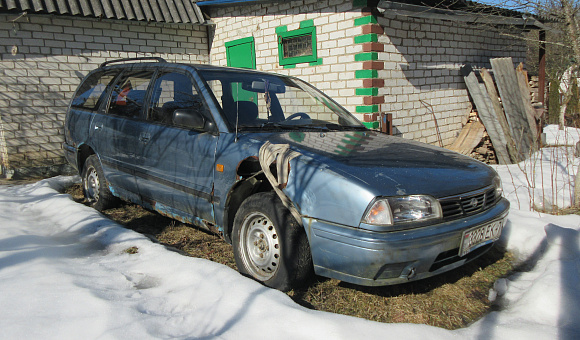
point(468, 138)
point(500, 115)
point(525, 89)
point(485, 112)
point(511, 96)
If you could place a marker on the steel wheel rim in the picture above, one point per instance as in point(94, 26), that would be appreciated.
point(260, 245)
point(92, 185)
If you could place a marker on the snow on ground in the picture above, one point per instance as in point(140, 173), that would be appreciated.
point(64, 274)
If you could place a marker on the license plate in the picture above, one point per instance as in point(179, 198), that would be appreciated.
point(476, 237)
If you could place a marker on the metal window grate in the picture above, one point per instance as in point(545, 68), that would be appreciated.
point(297, 46)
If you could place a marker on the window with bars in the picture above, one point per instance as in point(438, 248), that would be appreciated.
point(298, 46)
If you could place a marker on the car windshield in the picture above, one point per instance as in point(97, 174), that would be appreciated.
point(254, 101)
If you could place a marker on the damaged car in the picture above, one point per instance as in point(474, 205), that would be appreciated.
point(281, 171)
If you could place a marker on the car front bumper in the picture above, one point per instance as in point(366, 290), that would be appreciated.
point(382, 258)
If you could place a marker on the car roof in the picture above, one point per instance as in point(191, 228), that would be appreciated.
point(197, 67)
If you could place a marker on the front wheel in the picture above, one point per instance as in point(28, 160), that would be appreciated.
point(269, 244)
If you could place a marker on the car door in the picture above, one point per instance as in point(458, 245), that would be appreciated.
point(177, 161)
point(116, 133)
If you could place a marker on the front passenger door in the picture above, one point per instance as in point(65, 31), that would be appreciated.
point(177, 161)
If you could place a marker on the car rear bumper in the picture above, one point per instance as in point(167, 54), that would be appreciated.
point(70, 154)
point(382, 258)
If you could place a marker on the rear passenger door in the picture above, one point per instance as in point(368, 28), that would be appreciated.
point(177, 160)
point(116, 134)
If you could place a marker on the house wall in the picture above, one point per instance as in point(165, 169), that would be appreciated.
point(44, 58)
point(371, 62)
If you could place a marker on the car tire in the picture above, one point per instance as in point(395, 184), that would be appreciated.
point(95, 187)
point(270, 245)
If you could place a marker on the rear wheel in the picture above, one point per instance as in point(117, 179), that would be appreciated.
point(269, 244)
point(95, 186)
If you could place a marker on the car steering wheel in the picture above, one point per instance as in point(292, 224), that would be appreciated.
point(301, 115)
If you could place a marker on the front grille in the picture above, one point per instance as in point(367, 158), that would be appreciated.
point(469, 203)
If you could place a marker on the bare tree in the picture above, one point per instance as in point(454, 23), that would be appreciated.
point(561, 17)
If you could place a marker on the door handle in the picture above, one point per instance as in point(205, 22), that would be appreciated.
point(145, 137)
point(98, 126)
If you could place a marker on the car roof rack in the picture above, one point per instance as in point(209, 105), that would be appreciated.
point(158, 59)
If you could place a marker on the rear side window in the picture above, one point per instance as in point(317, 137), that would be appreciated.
point(90, 92)
point(128, 95)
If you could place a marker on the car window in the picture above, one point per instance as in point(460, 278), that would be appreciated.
point(128, 95)
point(92, 89)
point(255, 100)
point(173, 91)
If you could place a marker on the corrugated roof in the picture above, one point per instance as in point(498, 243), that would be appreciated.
point(170, 11)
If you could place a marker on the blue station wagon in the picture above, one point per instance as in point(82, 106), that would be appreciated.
point(281, 171)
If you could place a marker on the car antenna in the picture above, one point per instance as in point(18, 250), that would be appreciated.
point(237, 116)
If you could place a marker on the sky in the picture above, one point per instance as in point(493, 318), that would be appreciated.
point(64, 274)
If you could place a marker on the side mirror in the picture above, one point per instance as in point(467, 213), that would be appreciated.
point(188, 118)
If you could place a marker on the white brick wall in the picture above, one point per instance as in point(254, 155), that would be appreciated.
point(335, 32)
point(422, 59)
point(54, 53)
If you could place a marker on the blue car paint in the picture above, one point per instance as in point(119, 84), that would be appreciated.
point(331, 184)
point(332, 192)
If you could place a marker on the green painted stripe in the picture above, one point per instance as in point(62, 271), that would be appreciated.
point(317, 62)
point(371, 91)
point(366, 56)
point(342, 153)
point(307, 23)
point(367, 109)
point(365, 38)
point(371, 125)
point(281, 29)
point(358, 136)
point(350, 142)
point(370, 19)
point(352, 137)
point(365, 74)
point(289, 66)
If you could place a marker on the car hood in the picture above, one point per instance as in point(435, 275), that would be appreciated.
point(385, 165)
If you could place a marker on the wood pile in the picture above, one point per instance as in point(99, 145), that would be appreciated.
point(504, 106)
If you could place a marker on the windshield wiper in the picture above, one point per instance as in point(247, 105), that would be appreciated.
point(335, 127)
point(273, 125)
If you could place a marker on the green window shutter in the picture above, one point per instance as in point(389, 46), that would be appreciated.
point(241, 53)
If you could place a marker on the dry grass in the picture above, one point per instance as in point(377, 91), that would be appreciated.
point(451, 300)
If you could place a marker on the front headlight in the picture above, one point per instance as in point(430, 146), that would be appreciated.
point(498, 187)
point(400, 210)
